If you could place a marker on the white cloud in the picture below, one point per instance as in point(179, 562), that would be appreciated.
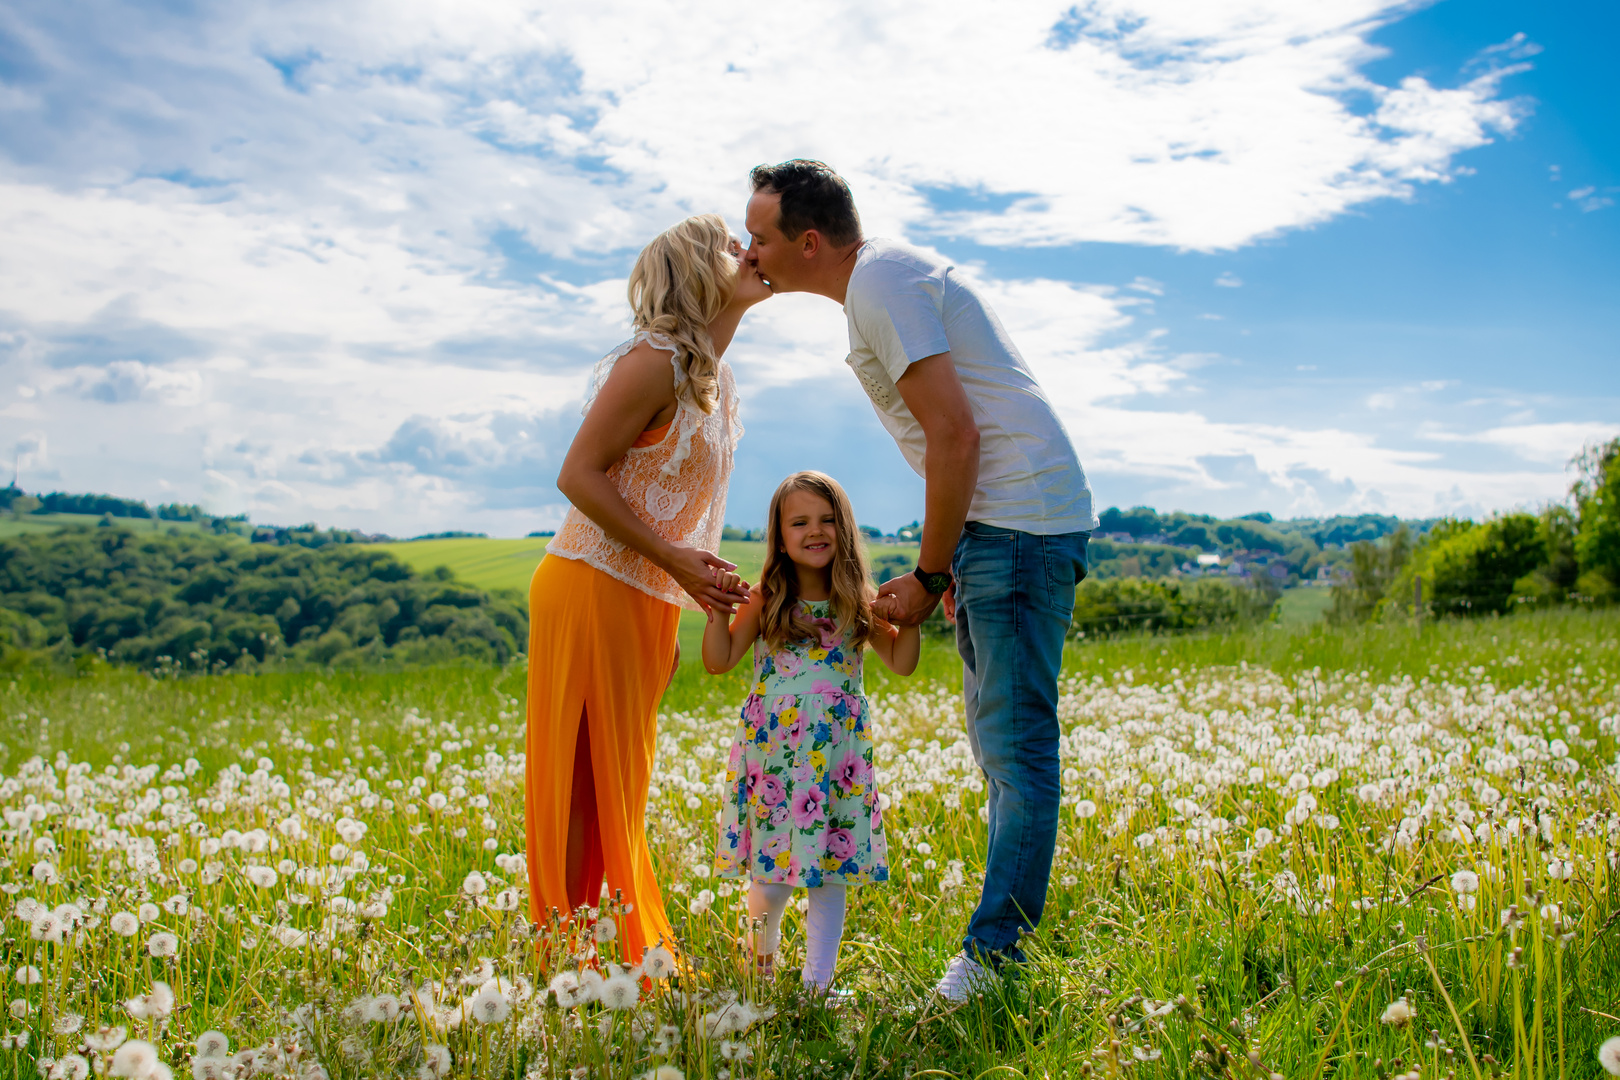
point(1546, 443)
point(1229, 280)
point(351, 260)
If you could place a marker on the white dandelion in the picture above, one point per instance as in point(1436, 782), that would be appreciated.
point(213, 1044)
point(658, 963)
point(163, 945)
point(475, 884)
point(1397, 1013)
point(619, 993)
point(1609, 1056)
point(135, 1059)
point(124, 924)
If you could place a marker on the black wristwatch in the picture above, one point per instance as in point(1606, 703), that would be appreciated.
point(934, 583)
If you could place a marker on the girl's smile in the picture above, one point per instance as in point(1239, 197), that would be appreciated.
point(810, 538)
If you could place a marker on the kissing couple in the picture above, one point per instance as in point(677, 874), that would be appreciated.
point(1008, 514)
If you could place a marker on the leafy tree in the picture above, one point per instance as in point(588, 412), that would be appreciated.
point(1374, 565)
point(209, 602)
point(1597, 504)
point(1474, 571)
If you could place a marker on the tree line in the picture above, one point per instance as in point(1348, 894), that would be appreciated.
point(1569, 552)
point(197, 601)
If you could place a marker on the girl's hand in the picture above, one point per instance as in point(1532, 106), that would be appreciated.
point(693, 570)
point(729, 581)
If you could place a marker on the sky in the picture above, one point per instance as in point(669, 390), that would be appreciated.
point(352, 262)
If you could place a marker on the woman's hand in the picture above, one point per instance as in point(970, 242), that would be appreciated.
point(694, 571)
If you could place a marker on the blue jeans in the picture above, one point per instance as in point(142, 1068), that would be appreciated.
point(1014, 600)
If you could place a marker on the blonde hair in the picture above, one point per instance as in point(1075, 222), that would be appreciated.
point(852, 591)
point(681, 281)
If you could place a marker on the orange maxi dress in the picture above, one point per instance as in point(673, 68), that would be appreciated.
point(602, 635)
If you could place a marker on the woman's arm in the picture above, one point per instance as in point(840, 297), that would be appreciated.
point(639, 390)
point(899, 647)
point(726, 643)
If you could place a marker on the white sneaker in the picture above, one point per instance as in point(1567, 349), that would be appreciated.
point(964, 978)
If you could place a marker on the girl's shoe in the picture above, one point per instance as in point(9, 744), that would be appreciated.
point(764, 967)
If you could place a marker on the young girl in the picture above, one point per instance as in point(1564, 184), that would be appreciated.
point(803, 807)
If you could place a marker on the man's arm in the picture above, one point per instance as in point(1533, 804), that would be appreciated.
point(934, 394)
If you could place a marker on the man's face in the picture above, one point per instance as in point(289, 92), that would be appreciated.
point(776, 258)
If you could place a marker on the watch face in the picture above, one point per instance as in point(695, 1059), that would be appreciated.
point(934, 583)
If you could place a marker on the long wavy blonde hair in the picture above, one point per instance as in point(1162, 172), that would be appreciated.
point(681, 281)
point(852, 591)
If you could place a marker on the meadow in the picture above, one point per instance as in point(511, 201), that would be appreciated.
point(509, 564)
point(1305, 852)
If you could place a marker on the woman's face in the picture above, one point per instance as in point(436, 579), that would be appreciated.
point(751, 288)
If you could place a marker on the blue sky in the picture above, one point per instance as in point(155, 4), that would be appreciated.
point(351, 262)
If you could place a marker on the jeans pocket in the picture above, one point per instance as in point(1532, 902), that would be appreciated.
point(1064, 568)
point(991, 534)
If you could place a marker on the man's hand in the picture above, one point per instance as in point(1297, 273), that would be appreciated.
point(903, 601)
point(693, 570)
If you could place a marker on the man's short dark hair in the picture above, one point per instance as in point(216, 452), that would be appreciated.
point(813, 197)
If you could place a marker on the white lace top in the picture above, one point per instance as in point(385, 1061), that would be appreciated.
point(677, 485)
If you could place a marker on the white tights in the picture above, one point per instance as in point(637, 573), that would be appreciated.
point(823, 927)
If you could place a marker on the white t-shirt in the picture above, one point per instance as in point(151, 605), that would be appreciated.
point(904, 305)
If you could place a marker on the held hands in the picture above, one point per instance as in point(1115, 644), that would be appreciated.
point(729, 582)
point(903, 601)
point(694, 571)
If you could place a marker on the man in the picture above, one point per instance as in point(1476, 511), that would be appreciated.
point(1007, 512)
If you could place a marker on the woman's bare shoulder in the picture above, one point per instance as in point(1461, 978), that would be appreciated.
point(645, 366)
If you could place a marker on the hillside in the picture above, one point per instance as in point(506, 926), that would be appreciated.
point(205, 602)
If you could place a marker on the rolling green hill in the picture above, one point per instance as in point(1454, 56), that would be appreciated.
point(509, 564)
point(32, 524)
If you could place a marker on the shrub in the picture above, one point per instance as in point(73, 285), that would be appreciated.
point(1126, 605)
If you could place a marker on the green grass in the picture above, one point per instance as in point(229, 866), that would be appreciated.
point(11, 525)
point(487, 563)
point(1291, 949)
point(1303, 605)
point(509, 564)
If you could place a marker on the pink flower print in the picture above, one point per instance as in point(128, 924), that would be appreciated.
point(789, 665)
point(776, 845)
point(840, 844)
point(753, 713)
point(829, 633)
point(808, 806)
point(804, 773)
point(778, 817)
point(743, 841)
point(734, 763)
point(849, 771)
point(793, 867)
point(826, 689)
point(795, 731)
point(771, 790)
point(756, 773)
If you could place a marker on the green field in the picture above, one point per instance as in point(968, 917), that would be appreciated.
point(509, 564)
point(1304, 604)
point(1275, 845)
point(12, 525)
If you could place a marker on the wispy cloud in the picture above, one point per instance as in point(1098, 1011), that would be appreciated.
point(352, 260)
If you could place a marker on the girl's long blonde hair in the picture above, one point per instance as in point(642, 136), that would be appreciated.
point(681, 281)
point(852, 592)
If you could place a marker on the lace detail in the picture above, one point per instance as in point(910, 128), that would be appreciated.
point(677, 485)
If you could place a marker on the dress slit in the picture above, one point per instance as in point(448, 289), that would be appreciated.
point(599, 656)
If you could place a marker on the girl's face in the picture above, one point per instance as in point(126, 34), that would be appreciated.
point(809, 529)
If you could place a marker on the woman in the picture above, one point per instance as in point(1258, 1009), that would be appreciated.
point(647, 478)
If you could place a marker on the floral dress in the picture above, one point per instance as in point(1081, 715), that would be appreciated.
point(802, 807)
